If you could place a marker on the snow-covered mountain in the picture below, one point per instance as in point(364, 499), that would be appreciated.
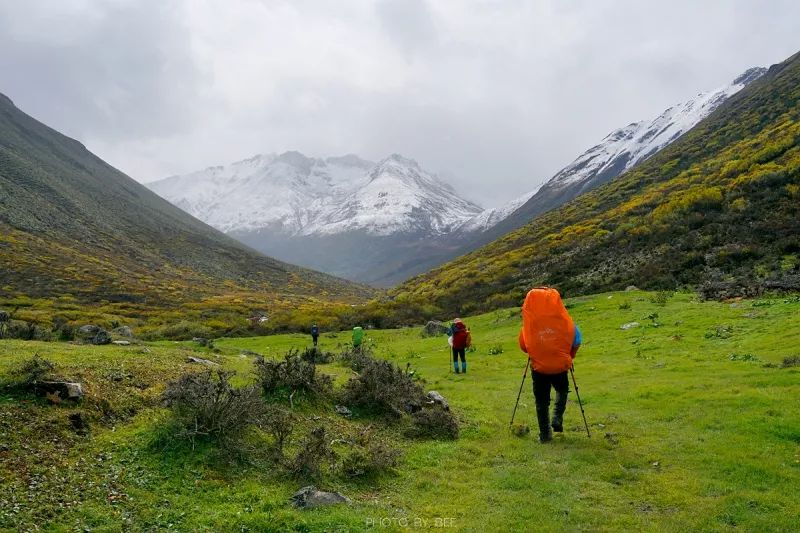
point(297, 195)
point(336, 214)
point(619, 151)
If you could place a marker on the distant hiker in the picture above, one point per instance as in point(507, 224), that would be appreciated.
point(358, 336)
point(461, 341)
point(314, 334)
point(551, 339)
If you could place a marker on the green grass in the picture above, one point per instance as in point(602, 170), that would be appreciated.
point(684, 436)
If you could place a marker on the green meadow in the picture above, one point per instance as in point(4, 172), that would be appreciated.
point(694, 417)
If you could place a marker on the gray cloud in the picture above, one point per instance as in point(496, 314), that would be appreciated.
point(499, 94)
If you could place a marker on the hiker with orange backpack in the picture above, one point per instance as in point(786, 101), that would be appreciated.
point(551, 339)
point(461, 340)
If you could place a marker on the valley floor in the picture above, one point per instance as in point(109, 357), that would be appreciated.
point(695, 425)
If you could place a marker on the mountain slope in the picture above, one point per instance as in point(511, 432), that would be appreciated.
point(718, 206)
point(70, 224)
point(619, 151)
point(343, 215)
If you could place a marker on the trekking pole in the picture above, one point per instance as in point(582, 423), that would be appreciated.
point(519, 393)
point(572, 373)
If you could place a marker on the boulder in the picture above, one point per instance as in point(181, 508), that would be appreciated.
point(629, 325)
point(438, 399)
point(631, 288)
point(310, 498)
point(344, 411)
point(88, 331)
point(201, 361)
point(58, 391)
point(123, 331)
point(434, 328)
point(121, 343)
point(102, 337)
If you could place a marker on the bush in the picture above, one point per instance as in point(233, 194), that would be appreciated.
point(661, 297)
point(291, 375)
point(434, 422)
point(369, 456)
point(383, 388)
point(279, 423)
point(791, 361)
point(29, 373)
point(314, 450)
point(206, 406)
point(356, 358)
point(317, 356)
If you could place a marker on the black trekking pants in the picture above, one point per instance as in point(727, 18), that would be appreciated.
point(542, 384)
point(462, 352)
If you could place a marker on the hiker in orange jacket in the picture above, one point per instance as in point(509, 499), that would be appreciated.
point(551, 339)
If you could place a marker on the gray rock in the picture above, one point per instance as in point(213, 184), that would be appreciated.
point(121, 343)
point(344, 411)
point(123, 331)
point(631, 288)
point(438, 399)
point(310, 498)
point(58, 391)
point(200, 340)
point(88, 331)
point(102, 337)
point(201, 361)
point(4, 316)
point(629, 325)
point(434, 328)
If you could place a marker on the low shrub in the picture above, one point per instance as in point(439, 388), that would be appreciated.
point(368, 456)
point(383, 388)
point(313, 452)
point(356, 358)
point(29, 373)
point(434, 422)
point(206, 406)
point(317, 356)
point(791, 361)
point(661, 297)
point(291, 375)
point(497, 349)
point(279, 423)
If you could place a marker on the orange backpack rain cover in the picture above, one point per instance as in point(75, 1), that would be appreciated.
point(547, 331)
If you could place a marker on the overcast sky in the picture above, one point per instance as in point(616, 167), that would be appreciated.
point(495, 94)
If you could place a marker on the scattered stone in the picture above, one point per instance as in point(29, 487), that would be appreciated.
point(344, 411)
point(201, 361)
point(58, 391)
point(438, 399)
point(629, 325)
point(310, 498)
point(123, 331)
point(102, 337)
point(656, 464)
point(631, 288)
point(88, 331)
point(610, 296)
point(121, 343)
point(434, 328)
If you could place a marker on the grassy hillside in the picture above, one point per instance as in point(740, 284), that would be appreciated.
point(693, 419)
point(72, 226)
point(720, 206)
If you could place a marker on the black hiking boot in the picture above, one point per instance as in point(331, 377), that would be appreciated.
point(458, 371)
point(558, 412)
point(543, 418)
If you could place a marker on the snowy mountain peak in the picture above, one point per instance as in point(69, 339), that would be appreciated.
point(292, 194)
